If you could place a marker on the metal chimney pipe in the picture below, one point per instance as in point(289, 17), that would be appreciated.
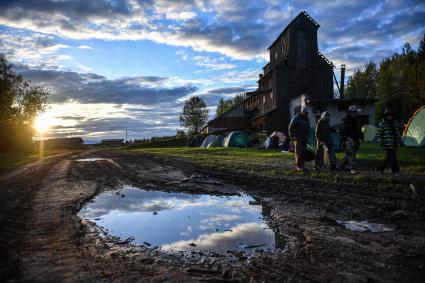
point(342, 82)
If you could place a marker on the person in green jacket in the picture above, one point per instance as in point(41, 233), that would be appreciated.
point(325, 145)
point(389, 137)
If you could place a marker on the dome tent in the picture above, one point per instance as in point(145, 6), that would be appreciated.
point(414, 133)
point(217, 142)
point(280, 135)
point(209, 139)
point(369, 132)
point(236, 139)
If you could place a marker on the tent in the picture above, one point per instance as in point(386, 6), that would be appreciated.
point(280, 135)
point(195, 141)
point(369, 132)
point(217, 142)
point(236, 139)
point(414, 133)
point(267, 143)
point(209, 139)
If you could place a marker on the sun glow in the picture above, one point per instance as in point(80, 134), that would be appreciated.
point(43, 123)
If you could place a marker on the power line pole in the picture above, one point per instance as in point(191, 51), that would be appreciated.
point(126, 134)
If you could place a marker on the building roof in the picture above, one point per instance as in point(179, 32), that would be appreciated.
point(222, 115)
point(302, 14)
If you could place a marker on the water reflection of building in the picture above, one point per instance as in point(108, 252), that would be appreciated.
point(266, 212)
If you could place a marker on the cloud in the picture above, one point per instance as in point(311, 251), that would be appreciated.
point(93, 88)
point(239, 29)
point(220, 33)
point(85, 47)
point(221, 242)
point(34, 49)
point(213, 64)
point(93, 106)
point(225, 90)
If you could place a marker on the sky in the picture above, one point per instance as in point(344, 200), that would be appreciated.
point(113, 65)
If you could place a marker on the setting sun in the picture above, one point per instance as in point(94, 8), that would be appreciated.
point(43, 123)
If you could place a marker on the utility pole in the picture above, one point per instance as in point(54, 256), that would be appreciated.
point(126, 134)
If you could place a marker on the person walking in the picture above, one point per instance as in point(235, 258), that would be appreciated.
point(389, 137)
point(325, 148)
point(351, 134)
point(298, 132)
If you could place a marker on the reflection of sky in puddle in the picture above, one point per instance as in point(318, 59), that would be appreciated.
point(176, 221)
point(91, 159)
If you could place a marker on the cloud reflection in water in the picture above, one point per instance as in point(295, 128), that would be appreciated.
point(175, 220)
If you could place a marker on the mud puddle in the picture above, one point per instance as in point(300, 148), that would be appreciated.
point(183, 222)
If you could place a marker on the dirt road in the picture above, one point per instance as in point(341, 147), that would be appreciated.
point(42, 239)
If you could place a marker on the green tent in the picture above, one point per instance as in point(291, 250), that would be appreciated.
point(369, 132)
point(236, 139)
point(217, 142)
point(414, 133)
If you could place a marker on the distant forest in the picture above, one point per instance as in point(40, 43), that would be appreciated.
point(397, 82)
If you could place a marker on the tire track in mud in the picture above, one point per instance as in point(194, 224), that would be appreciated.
point(51, 229)
point(16, 193)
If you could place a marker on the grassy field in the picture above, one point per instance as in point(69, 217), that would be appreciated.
point(10, 161)
point(272, 162)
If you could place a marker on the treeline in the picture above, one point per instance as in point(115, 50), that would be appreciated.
point(397, 82)
point(178, 135)
point(226, 104)
point(20, 103)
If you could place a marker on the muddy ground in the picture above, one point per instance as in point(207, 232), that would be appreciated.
point(42, 239)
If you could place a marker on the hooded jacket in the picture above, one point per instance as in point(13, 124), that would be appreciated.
point(323, 132)
point(299, 128)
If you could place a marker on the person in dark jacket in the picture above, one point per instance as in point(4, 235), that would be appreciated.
point(389, 137)
point(325, 146)
point(298, 132)
point(351, 134)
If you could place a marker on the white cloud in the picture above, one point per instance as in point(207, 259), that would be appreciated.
point(85, 47)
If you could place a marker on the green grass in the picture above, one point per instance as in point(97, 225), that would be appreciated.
point(10, 161)
point(411, 159)
point(275, 163)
